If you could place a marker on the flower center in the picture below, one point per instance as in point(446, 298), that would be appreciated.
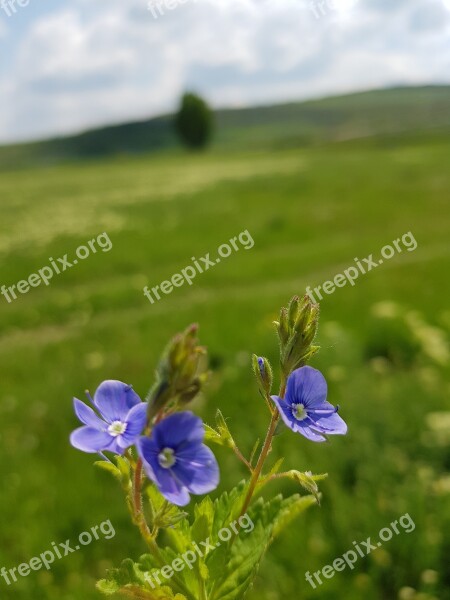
point(166, 458)
point(117, 428)
point(299, 412)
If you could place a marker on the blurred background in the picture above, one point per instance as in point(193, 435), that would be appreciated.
point(323, 129)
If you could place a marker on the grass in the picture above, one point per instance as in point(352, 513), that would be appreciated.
point(364, 115)
point(310, 212)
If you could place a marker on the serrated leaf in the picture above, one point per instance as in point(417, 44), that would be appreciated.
point(163, 593)
point(134, 579)
point(233, 566)
point(293, 507)
point(107, 587)
point(161, 514)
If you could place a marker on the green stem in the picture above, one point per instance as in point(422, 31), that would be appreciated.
point(242, 458)
point(264, 453)
point(137, 504)
point(141, 522)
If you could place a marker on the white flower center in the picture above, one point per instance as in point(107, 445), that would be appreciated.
point(166, 458)
point(299, 412)
point(117, 428)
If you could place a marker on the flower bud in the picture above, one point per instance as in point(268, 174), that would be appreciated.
point(297, 330)
point(308, 481)
point(263, 373)
point(180, 374)
point(293, 311)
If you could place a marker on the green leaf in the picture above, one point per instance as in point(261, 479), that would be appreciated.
point(130, 580)
point(254, 450)
point(308, 481)
point(212, 436)
point(291, 509)
point(233, 566)
point(222, 435)
point(121, 472)
point(230, 566)
point(124, 467)
point(107, 587)
point(162, 514)
point(204, 515)
point(109, 467)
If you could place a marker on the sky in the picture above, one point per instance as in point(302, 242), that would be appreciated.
point(70, 65)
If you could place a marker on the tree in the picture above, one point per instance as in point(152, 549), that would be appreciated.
point(194, 121)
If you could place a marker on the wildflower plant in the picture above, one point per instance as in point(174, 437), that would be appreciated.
point(160, 454)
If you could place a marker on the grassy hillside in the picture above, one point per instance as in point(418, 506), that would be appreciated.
point(362, 115)
point(310, 212)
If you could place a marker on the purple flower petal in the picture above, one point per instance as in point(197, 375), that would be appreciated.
point(306, 386)
point(148, 452)
point(332, 424)
point(180, 428)
point(286, 413)
point(305, 409)
point(115, 448)
point(169, 486)
point(91, 440)
point(135, 420)
point(87, 415)
point(310, 434)
point(177, 461)
point(196, 467)
point(114, 400)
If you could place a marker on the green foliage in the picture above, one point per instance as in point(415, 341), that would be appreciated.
point(310, 213)
point(226, 569)
point(194, 121)
point(121, 472)
point(161, 514)
point(404, 338)
point(221, 435)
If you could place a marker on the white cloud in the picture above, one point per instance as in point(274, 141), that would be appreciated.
point(90, 63)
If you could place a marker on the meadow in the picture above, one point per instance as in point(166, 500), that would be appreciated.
point(384, 347)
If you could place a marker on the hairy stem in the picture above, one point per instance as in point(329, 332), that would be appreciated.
point(141, 522)
point(242, 458)
point(264, 453)
point(137, 504)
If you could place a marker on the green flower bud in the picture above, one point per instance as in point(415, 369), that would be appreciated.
point(179, 374)
point(297, 330)
point(293, 311)
point(263, 373)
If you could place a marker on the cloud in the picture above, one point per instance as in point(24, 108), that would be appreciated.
point(89, 63)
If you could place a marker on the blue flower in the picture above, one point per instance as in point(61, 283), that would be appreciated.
point(305, 409)
point(176, 459)
point(122, 421)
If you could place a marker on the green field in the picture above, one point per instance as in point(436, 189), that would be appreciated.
point(310, 211)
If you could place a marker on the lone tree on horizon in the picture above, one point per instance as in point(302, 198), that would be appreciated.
point(194, 121)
